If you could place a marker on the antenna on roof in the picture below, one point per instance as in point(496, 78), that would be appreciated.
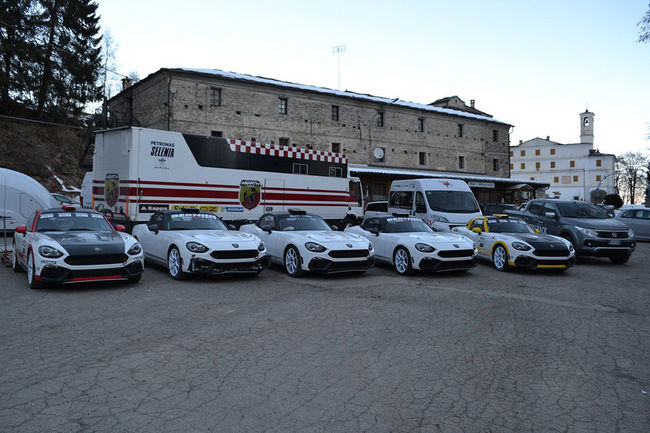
point(338, 50)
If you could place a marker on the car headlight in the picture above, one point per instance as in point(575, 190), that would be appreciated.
point(440, 219)
point(196, 247)
point(49, 252)
point(314, 247)
point(587, 232)
point(570, 247)
point(261, 247)
point(135, 249)
point(630, 233)
point(424, 248)
point(370, 248)
point(520, 246)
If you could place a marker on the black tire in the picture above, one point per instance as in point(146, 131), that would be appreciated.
point(619, 260)
point(31, 276)
point(14, 262)
point(500, 258)
point(293, 262)
point(402, 261)
point(175, 264)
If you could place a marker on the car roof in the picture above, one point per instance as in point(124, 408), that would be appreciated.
point(61, 210)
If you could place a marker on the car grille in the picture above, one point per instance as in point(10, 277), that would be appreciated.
point(613, 235)
point(551, 252)
point(456, 253)
point(96, 259)
point(234, 254)
point(346, 254)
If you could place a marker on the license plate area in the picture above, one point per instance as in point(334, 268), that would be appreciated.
point(616, 242)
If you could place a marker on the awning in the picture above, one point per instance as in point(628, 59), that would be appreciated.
point(521, 186)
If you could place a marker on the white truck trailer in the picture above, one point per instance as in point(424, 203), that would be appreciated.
point(139, 171)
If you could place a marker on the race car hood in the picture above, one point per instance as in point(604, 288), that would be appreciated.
point(538, 240)
point(215, 237)
point(326, 237)
point(84, 243)
point(441, 238)
point(597, 223)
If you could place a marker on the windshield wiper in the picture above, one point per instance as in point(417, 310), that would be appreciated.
point(81, 229)
point(49, 230)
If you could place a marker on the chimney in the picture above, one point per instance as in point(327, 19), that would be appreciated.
point(126, 83)
point(471, 103)
point(521, 141)
point(548, 138)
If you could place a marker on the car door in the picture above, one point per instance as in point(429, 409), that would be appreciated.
point(267, 232)
point(552, 225)
point(420, 206)
point(376, 241)
point(533, 215)
point(22, 240)
point(481, 240)
point(638, 221)
point(149, 239)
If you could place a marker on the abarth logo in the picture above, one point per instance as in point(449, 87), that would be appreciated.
point(250, 193)
point(614, 234)
point(445, 183)
point(112, 189)
point(235, 245)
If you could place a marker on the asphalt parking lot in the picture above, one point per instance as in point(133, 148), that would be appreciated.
point(477, 352)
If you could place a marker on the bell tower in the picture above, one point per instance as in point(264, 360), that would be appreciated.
point(587, 127)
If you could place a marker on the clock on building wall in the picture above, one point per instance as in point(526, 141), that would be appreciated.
point(378, 153)
point(586, 121)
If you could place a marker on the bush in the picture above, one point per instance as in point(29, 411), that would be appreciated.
point(614, 200)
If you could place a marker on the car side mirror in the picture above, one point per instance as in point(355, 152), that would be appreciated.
point(120, 228)
point(550, 215)
point(232, 227)
point(153, 228)
point(374, 231)
point(476, 230)
point(267, 228)
point(21, 229)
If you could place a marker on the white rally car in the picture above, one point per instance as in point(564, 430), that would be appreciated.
point(304, 242)
point(410, 244)
point(68, 246)
point(189, 241)
point(510, 242)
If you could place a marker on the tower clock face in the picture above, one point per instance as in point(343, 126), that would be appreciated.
point(586, 121)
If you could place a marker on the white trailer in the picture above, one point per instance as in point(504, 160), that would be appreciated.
point(139, 171)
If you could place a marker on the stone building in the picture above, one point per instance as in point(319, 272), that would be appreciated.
point(446, 136)
point(575, 171)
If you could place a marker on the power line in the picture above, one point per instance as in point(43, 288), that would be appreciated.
point(42, 122)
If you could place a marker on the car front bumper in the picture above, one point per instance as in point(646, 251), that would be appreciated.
point(528, 262)
point(56, 274)
point(327, 266)
point(430, 264)
point(199, 265)
point(598, 247)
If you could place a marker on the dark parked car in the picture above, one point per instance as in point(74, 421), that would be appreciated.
point(497, 208)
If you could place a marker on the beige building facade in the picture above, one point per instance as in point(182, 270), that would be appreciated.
point(445, 136)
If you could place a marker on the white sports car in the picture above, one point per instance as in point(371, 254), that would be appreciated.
point(410, 244)
point(192, 242)
point(510, 242)
point(304, 242)
point(67, 246)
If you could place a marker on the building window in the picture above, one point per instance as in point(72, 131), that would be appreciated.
point(523, 166)
point(284, 141)
point(336, 172)
point(422, 158)
point(282, 105)
point(537, 164)
point(532, 178)
point(300, 169)
point(556, 179)
point(566, 179)
point(335, 113)
point(552, 164)
point(512, 154)
point(495, 164)
point(598, 178)
point(511, 166)
point(552, 151)
point(575, 178)
point(495, 135)
point(216, 133)
point(460, 130)
point(523, 153)
point(336, 147)
point(421, 124)
point(572, 163)
point(380, 118)
point(461, 162)
point(536, 152)
point(215, 96)
point(599, 163)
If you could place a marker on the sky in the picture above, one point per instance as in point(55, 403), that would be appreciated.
point(535, 65)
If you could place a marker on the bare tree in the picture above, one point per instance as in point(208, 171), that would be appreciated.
point(644, 25)
point(631, 175)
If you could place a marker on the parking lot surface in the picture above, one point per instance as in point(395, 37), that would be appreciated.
point(483, 351)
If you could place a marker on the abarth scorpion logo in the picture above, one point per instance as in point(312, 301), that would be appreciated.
point(250, 193)
point(112, 189)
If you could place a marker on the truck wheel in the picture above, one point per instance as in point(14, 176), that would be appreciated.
point(292, 262)
point(14, 261)
point(31, 273)
point(402, 261)
point(500, 258)
point(570, 239)
point(619, 260)
point(174, 264)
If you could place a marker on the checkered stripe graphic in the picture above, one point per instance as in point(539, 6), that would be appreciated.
point(287, 151)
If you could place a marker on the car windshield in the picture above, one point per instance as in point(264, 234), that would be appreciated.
point(452, 201)
point(405, 225)
point(509, 226)
point(301, 223)
point(195, 221)
point(72, 221)
point(580, 210)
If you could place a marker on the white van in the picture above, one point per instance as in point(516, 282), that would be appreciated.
point(442, 203)
point(86, 196)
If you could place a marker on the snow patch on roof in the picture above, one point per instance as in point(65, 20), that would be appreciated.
point(346, 94)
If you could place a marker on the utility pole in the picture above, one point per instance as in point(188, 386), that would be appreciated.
point(338, 50)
